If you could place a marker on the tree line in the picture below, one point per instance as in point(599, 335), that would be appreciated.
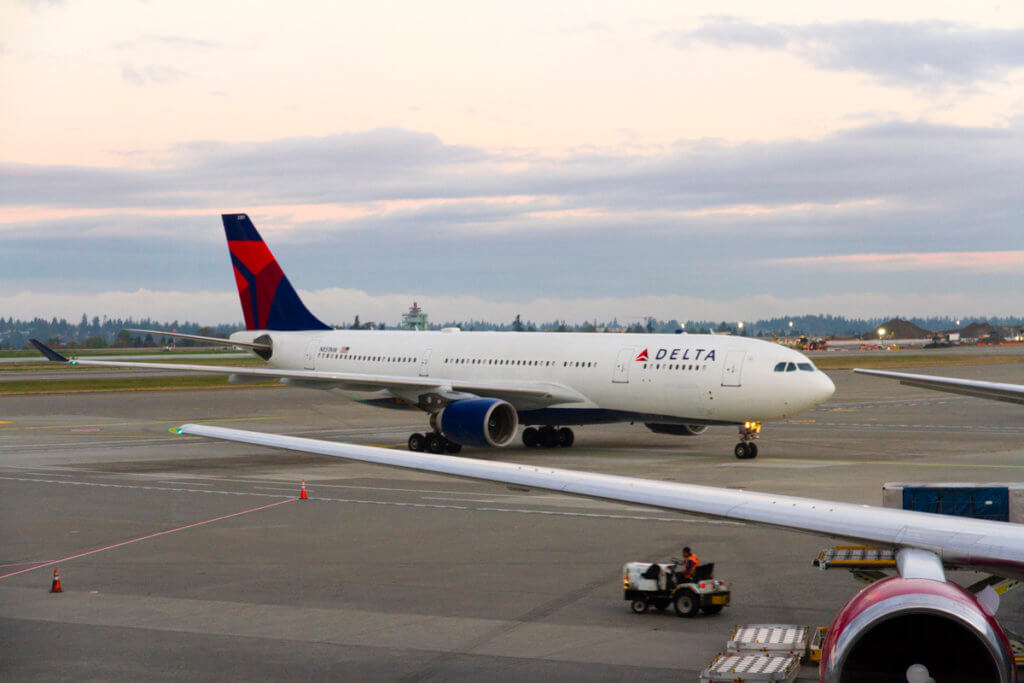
point(97, 332)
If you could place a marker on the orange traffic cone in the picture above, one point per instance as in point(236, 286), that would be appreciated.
point(55, 586)
point(302, 494)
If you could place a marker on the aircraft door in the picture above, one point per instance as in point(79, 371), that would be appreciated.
point(425, 363)
point(620, 374)
point(733, 368)
point(309, 362)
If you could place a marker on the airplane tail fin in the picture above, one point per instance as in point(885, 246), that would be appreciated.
point(269, 302)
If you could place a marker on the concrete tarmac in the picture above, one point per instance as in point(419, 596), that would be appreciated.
point(388, 574)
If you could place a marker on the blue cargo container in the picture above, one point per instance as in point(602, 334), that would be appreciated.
point(993, 501)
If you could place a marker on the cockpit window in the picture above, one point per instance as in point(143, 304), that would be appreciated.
point(790, 367)
point(780, 367)
point(807, 367)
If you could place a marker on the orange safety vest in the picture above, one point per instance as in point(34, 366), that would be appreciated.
point(690, 565)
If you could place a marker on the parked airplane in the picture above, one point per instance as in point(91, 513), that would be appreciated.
point(995, 391)
point(914, 619)
point(478, 387)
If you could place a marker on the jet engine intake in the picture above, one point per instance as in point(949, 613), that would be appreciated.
point(897, 623)
point(478, 422)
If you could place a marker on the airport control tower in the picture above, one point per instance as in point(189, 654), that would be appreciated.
point(415, 319)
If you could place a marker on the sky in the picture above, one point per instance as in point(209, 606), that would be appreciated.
point(569, 160)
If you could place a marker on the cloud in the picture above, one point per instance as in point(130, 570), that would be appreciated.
point(901, 163)
point(985, 261)
point(929, 54)
point(174, 42)
point(393, 210)
point(154, 74)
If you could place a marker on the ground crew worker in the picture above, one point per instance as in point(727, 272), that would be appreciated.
point(689, 567)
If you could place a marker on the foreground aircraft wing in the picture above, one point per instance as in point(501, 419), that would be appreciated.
point(997, 547)
point(996, 391)
point(535, 393)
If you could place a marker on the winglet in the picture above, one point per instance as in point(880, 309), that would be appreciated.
point(48, 352)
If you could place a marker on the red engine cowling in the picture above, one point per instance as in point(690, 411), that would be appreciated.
point(896, 622)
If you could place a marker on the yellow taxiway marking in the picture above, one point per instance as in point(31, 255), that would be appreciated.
point(5, 422)
point(801, 421)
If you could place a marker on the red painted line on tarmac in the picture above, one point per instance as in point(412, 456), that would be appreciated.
point(148, 536)
point(18, 564)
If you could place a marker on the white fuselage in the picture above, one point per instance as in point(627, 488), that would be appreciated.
point(683, 378)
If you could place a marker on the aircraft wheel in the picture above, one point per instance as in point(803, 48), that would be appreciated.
point(452, 447)
point(639, 606)
point(565, 437)
point(531, 437)
point(435, 443)
point(753, 450)
point(741, 451)
point(548, 437)
point(417, 442)
point(687, 604)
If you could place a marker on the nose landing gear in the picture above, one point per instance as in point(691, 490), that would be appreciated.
point(746, 448)
point(548, 437)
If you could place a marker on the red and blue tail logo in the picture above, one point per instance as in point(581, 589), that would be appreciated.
point(269, 301)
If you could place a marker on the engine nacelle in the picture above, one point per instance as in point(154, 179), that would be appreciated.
point(478, 422)
point(896, 623)
point(678, 430)
point(265, 354)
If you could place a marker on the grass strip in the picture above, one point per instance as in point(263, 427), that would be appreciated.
point(50, 366)
point(75, 386)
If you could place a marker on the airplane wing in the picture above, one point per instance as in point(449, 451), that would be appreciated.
point(996, 391)
point(519, 394)
point(996, 547)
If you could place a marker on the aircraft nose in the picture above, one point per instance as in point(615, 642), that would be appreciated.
point(825, 387)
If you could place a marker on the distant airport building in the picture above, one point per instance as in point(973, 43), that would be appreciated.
point(415, 319)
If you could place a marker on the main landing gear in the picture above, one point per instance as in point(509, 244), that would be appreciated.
point(746, 448)
point(548, 437)
point(433, 443)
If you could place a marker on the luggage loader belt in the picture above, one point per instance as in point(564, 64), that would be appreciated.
point(855, 557)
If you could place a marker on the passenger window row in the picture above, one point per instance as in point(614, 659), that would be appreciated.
point(673, 366)
point(507, 361)
point(385, 359)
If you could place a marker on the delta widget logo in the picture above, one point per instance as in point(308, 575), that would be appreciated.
point(677, 354)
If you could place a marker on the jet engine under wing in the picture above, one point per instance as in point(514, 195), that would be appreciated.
point(530, 394)
point(996, 391)
point(996, 547)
